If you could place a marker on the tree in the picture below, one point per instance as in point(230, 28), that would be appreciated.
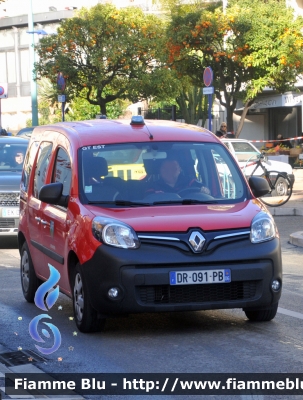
point(253, 45)
point(114, 54)
point(179, 7)
point(192, 103)
point(78, 109)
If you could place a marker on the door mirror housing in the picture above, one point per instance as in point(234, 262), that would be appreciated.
point(259, 186)
point(52, 194)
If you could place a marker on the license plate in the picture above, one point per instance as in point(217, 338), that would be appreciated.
point(199, 277)
point(10, 212)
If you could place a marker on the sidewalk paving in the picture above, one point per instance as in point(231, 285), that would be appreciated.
point(293, 207)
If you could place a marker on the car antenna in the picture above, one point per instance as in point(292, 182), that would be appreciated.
point(149, 134)
point(139, 120)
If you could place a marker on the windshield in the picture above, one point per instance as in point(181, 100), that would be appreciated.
point(143, 174)
point(12, 156)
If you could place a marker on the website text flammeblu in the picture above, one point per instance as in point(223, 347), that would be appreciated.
point(168, 384)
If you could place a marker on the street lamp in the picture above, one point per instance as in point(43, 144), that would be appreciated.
point(35, 121)
point(34, 90)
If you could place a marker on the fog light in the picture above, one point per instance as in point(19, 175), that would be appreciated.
point(275, 285)
point(113, 293)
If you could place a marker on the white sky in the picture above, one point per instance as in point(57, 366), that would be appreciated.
point(21, 7)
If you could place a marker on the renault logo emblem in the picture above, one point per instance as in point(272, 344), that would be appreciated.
point(196, 240)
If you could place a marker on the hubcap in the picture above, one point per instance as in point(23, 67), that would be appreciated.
point(281, 188)
point(78, 297)
point(25, 271)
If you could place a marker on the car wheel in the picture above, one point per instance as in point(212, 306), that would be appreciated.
point(29, 280)
point(263, 314)
point(86, 316)
point(281, 187)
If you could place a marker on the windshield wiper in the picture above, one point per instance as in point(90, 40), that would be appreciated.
point(127, 203)
point(120, 203)
point(186, 201)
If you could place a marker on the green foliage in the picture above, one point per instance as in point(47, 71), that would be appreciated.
point(80, 109)
point(179, 7)
point(114, 54)
point(192, 103)
point(253, 45)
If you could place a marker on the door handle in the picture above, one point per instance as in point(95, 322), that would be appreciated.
point(38, 219)
point(44, 222)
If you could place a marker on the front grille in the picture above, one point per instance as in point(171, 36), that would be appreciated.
point(7, 223)
point(9, 199)
point(163, 294)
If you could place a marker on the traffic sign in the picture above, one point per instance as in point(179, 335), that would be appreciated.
point(61, 83)
point(3, 90)
point(208, 90)
point(61, 98)
point(208, 76)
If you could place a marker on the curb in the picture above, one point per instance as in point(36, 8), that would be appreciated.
point(296, 238)
point(286, 211)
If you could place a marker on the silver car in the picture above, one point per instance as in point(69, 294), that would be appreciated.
point(12, 153)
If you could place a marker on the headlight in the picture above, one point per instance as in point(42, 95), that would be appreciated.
point(114, 233)
point(263, 228)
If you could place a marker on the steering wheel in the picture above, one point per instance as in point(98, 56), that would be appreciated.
point(189, 190)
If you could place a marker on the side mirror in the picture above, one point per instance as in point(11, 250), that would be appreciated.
point(52, 194)
point(259, 186)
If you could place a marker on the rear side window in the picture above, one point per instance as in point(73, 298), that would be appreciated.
point(62, 171)
point(244, 151)
point(28, 166)
point(43, 159)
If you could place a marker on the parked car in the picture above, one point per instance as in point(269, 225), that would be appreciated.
point(244, 152)
point(3, 132)
point(11, 162)
point(26, 132)
point(91, 209)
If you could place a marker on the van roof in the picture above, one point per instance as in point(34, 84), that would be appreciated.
point(107, 131)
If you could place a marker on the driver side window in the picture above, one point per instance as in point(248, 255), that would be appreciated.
point(43, 159)
point(62, 172)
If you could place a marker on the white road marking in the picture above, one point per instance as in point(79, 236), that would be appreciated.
point(290, 313)
point(292, 292)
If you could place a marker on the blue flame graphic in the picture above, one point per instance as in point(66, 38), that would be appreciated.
point(35, 335)
point(45, 297)
point(48, 288)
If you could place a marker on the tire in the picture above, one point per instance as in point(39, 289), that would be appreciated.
point(29, 280)
point(281, 190)
point(262, 315)
point(281, 187)
point(86, 316)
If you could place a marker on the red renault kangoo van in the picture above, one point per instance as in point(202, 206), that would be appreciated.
point(145, 216)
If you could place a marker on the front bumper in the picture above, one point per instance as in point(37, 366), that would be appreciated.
point(142, 276)
point(9, 226)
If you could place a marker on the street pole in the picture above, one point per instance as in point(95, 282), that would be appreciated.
point(210, 103)
point(35, 121)
point(224, 5)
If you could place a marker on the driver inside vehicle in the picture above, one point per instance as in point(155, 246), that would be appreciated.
point(18, 158)
point(172, 180)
